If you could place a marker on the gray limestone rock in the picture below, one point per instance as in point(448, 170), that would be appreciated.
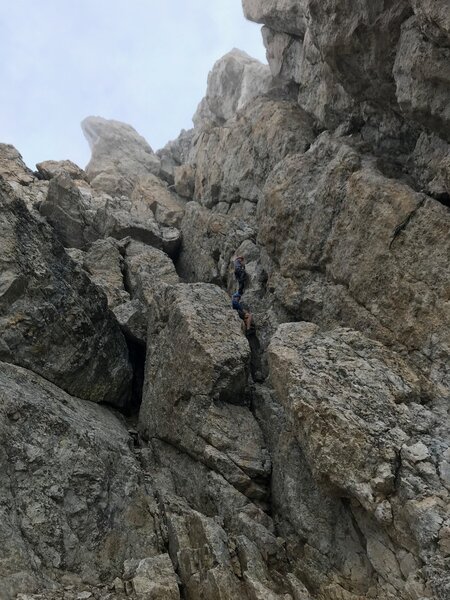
point(152, 578)
point(148, 272)
point(184, 180)
point(72, 497)
point(354, 251)
point(235, 80)
point(122, 217)
point(232, 163)
point(152, 193)
point(120, 156)
point(54, 321)
point(50, 168)
point(209, 241)
point(70, 212)
point(12, 167)
point(105, 264)
point(283, 15)
point(200, 333)
point(358, 415)
point(422, 76)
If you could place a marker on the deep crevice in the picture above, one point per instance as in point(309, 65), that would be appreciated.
point(137, 352)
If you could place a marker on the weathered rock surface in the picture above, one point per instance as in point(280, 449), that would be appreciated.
point(69, 212)
point(152, 578)
point(201, 334)
point(105, 264)
point(209, 240)
point(73, 502)
point(354, 251)
point(422, 76)
point(174, 154)
point(122, 217)
point(12, 168)
point(234, 81)
point(153, 193)
point(358, 415)
point(54, 321)
point(310, 457)
point(51, 168)
point(232, 163)
point(120, 156)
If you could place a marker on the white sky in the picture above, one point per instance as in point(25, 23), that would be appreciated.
point(144, 62)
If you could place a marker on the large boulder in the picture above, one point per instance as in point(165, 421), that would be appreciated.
point(200, 408)
point(70, 212)
point(105, 264)
point(152, 192)
point(121, 217)
point(12, 167)
point(54, 321)
point(234, 81)
point(73, 502)
point(120, 156)
point(51, 168)
point(372, 432)
point(201, 334)
point(147, 272)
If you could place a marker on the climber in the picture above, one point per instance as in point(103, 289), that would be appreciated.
point(239, 273)
point(249, 324)
point(236, 304)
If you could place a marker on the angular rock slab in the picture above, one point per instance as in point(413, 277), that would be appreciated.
point(12, 167)
point(234, 81)
point(53, 320)
point(121, 218)
point(374, 432)
point(422, 77)
point(197, 355)
point(153, 193)
point(361, 250)
point(339, 386)
point(69, 212)
point(72, 499)
point(51, 168)
point(120, 156)
point(153, 578)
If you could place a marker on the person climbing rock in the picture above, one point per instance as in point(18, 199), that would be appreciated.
point(249, 324)
point(240, 273)
point(236, 304)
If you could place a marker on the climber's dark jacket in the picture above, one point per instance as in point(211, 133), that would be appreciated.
point(236, 304)
point(240, 274)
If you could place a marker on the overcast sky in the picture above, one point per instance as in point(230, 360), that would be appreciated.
point(144, 62)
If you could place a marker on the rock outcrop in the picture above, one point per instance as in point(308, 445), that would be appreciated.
point(73, 499)
point(53, 319)
point(120, 156)
point(306, 457)
point(235, 80)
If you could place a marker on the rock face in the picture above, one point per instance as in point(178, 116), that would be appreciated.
point(68, 212)
point(51, 168)
point(53, 320)
point(231, 163)
point(305, 456)
point(235, 80)
point(72, 496)
point(366, 434)
point(211, 353)
point(356, 238)
point(120, 156)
